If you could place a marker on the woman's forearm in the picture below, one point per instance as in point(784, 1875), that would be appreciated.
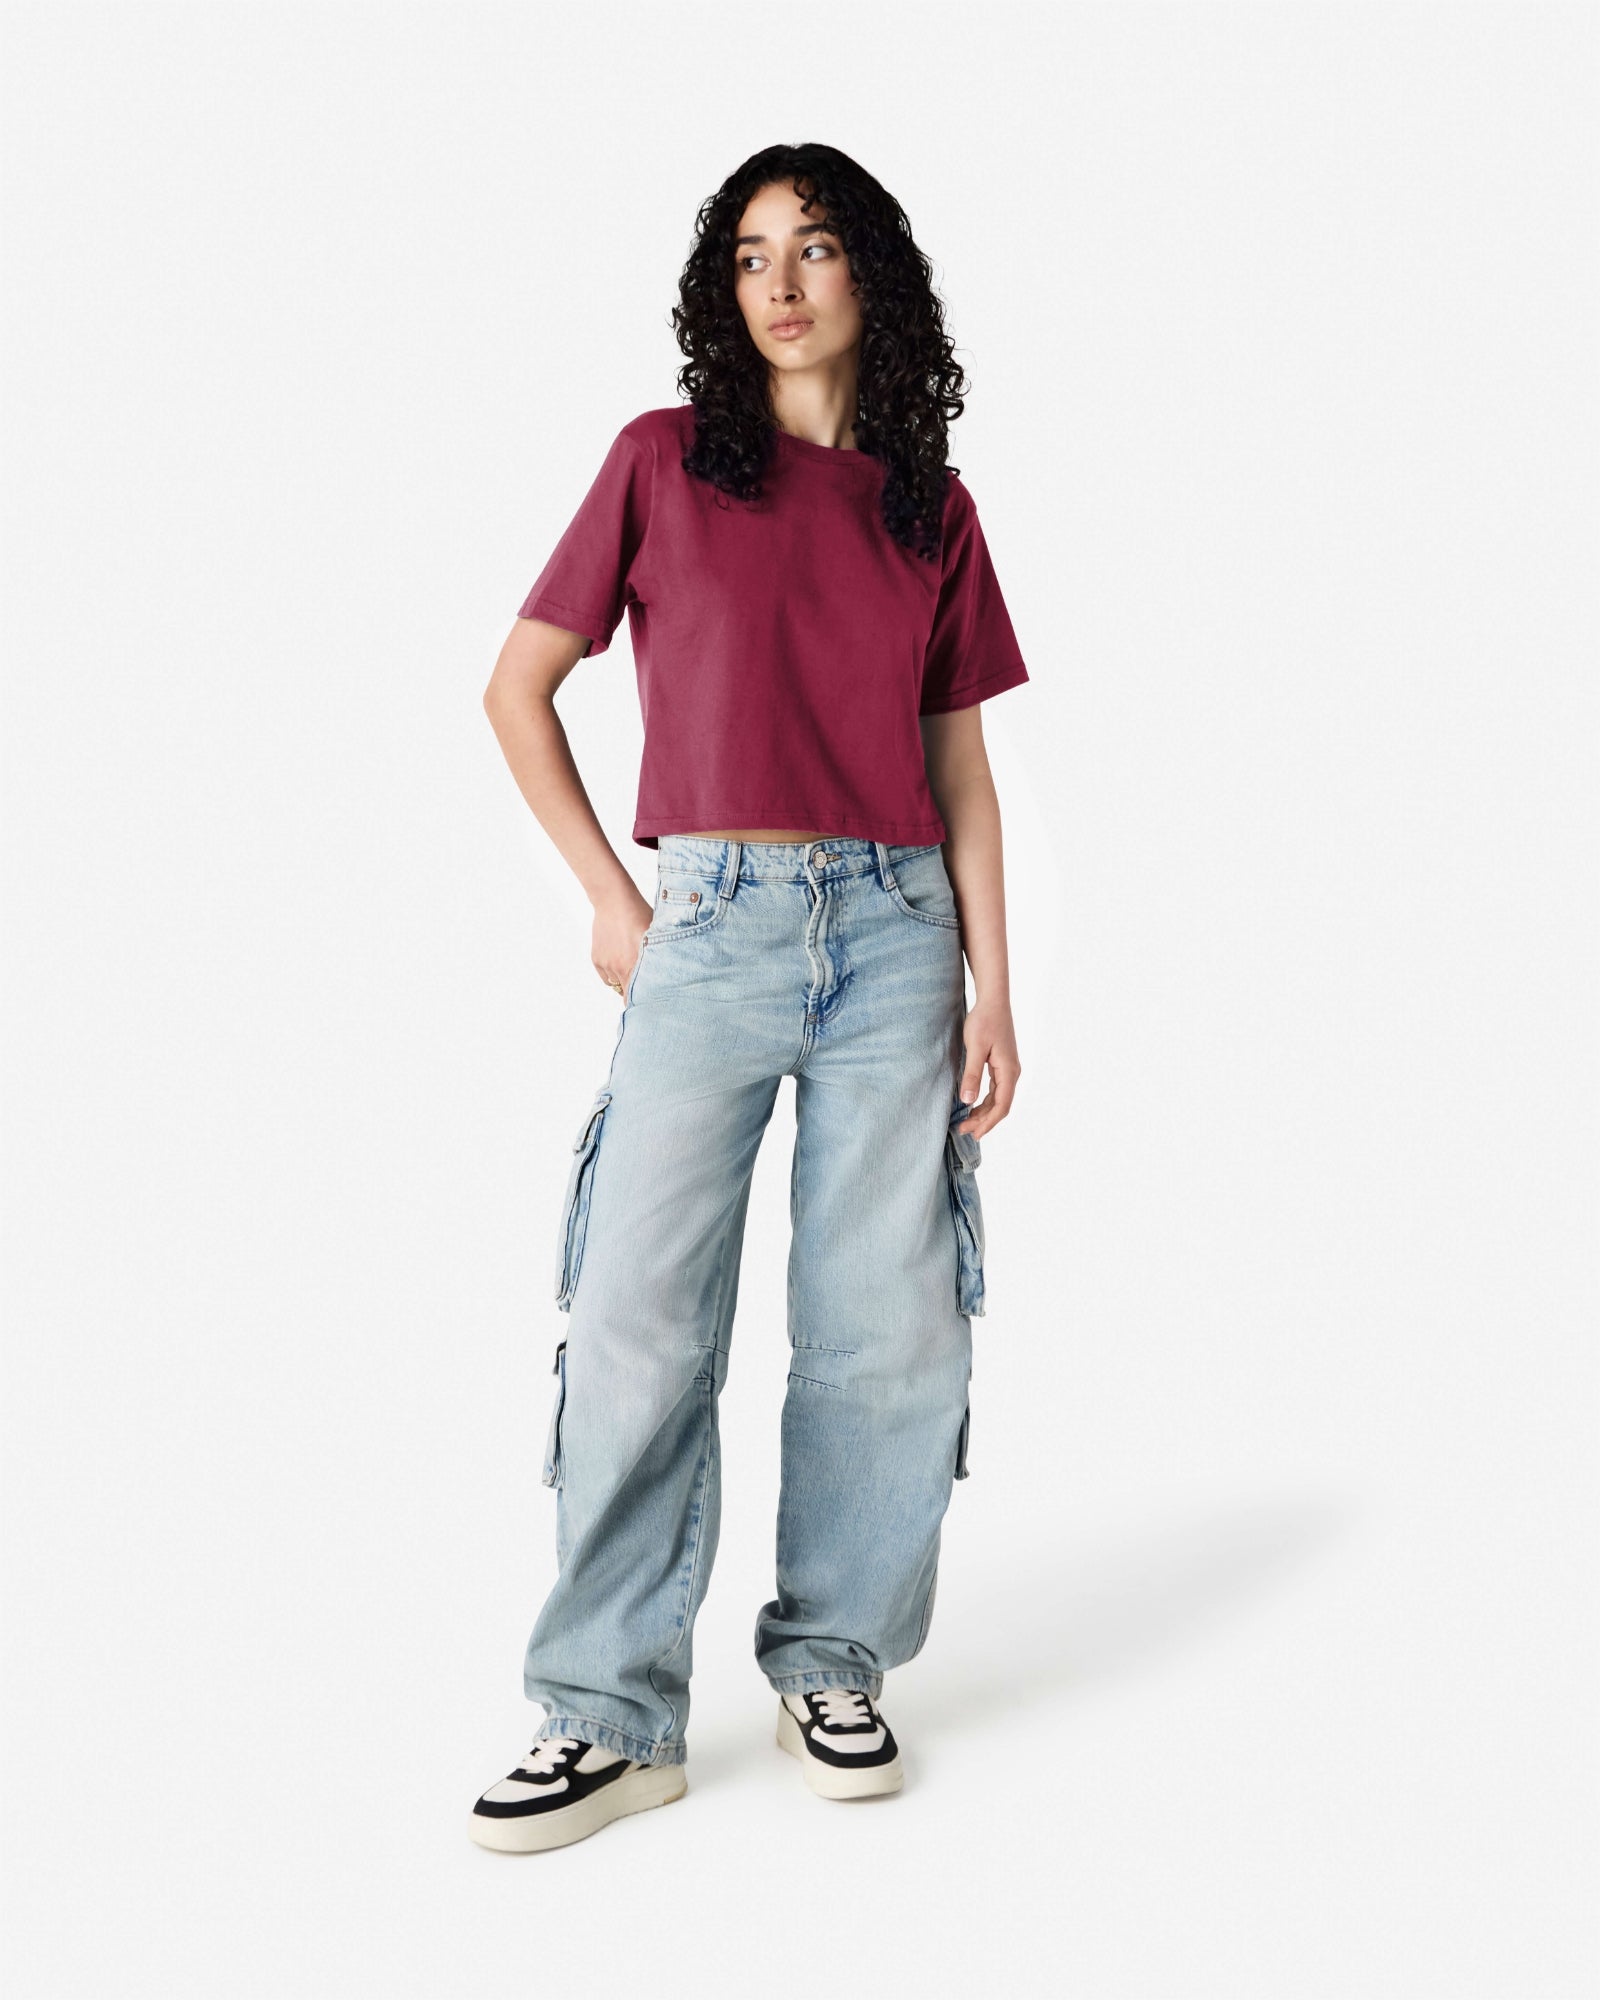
point(534, 742)
point(974, 862)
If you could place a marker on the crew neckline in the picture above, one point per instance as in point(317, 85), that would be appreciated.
point(854, 460)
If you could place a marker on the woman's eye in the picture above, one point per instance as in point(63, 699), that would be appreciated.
point(751, 257)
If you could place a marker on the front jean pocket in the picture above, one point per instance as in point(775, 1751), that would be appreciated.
point(551, 1474)
point(920, 887)
point(962, 1155)
point(685, 904)
point(575, 1209)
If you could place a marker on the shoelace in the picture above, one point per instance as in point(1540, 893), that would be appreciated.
point(843, 1708)
point(547, 1753)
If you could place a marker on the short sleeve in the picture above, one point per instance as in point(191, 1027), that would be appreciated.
point(972, 651)
point(590, 577)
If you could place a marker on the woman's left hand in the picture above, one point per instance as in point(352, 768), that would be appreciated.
point(990, 1039)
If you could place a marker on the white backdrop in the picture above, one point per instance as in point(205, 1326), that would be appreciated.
point(1265, 1626)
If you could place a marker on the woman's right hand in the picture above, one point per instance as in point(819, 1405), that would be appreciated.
point(619, 928)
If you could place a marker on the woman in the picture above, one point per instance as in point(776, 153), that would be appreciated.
point(815, 619)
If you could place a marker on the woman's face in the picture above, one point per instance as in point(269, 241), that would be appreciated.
point(789, 266)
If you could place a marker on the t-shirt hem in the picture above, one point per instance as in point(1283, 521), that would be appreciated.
point(584, 623)
point(974, 691)
point(893, 833)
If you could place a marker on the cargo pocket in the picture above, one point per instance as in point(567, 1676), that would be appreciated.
point(962, 1156)
point(575, 1209)
point(551, 1474)
point(961, 1441)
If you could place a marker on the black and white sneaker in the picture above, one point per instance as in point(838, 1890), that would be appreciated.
point(846, 1747)
point(565, 1789)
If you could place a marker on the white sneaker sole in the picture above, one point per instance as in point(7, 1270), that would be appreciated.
point(827, 1780)
point(650, 1785)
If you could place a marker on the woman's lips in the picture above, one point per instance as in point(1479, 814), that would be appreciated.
point(790, 329)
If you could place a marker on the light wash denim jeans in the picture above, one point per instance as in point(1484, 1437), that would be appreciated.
point(838, 963)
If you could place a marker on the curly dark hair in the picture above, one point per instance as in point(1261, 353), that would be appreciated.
point(910, 387)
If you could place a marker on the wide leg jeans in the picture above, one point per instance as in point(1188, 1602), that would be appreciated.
point(838, 963)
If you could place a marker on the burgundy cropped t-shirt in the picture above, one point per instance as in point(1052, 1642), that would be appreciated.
point(784, 646)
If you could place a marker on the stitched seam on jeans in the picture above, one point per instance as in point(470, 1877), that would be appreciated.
point(607, 1734)
point(819, 1677)
point(922, 916)
point(670, 933)
point(702, 1480)
point(927, 1611)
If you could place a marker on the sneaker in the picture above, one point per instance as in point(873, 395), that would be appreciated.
point(565, 1789)
point(846, 1747)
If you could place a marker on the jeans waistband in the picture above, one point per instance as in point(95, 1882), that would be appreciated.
point(783, 860)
